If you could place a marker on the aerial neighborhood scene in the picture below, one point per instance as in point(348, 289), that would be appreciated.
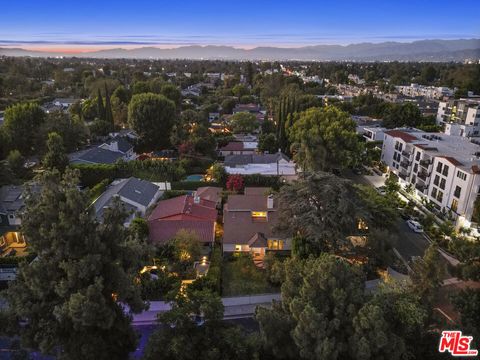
point(221, 181)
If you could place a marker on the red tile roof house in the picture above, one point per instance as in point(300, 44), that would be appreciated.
point(186, 212)
point(248, 223)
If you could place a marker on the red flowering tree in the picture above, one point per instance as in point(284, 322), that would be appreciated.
point(235, 183)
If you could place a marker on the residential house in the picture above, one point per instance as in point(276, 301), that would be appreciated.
point(118, 148)
point(187, 212)
point(265, 164)
point(238, 148)
point(371, 134)
point(249, 223)
point(135, 195)
point(210, 193)
point(11, 205)
point(460, 117)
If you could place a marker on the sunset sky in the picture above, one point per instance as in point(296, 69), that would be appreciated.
point(91, 25)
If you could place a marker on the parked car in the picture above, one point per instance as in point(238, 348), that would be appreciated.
point(381, 190)
point(415, 226)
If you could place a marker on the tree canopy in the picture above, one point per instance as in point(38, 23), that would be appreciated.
point(80, 291)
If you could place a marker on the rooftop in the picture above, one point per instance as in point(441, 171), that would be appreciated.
point(458, 150)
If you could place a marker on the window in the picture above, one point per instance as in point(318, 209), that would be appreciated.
point(461, 175)
point(434, 193)
point(439, 167)
point(457, 192)
point(436, 180)
point(259, 215)
point(454, 205)
point(445, 170)
point(275, 244)
point(417, 156)
point(415, 168)
point(442, 184)
point(440, 196)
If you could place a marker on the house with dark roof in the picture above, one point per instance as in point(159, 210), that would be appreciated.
point(135, 195)
point(187, 212)
point(249, 224)
point(11, 205)
point(118, 148)
point(238, 148)
point(265, 164)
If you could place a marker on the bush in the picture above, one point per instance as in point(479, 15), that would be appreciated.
point(258, 180)
point(98, 189)
point(14, 261)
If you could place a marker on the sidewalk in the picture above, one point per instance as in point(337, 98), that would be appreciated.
point(235, 307)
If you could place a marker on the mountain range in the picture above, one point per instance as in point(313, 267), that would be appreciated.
point(422, 50)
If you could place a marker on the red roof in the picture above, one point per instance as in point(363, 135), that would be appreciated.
point(184, 205)
point(162, 231)
point(402, 135)
point(452, 160)
point(181, 212)
point(232, 146)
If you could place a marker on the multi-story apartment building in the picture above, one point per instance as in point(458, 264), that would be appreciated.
point(430, 92)
point(443, 169)
point(460, 117)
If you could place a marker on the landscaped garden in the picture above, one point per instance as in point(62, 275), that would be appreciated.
point(242, 277)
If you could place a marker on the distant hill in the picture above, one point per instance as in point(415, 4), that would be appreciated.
point(423, 50)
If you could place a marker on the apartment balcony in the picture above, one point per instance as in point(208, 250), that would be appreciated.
point(425, 163)
point(423, 175)
point(420, 187)
point(407, 154)
point(402, 175)
point(405, 164)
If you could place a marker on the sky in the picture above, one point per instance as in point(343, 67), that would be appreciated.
point(91, 25)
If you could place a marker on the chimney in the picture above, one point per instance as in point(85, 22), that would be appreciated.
point(270, 202)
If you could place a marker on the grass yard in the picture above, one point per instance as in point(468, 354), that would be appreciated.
point(241, 277)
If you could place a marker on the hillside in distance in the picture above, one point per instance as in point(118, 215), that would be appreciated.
point(422, 50)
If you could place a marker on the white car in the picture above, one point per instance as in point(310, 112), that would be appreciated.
point(415, 226)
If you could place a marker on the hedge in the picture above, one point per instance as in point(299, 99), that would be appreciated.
point(13, 261)
point(258, 180)
point(191, 185)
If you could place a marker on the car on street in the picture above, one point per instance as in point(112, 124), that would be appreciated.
point(381, 190)
point(415, 226)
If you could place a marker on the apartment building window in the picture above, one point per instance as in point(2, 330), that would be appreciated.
point(415, 168)
point(454, 205)
point(445, 170)
point(440, 196)
point(436, 180)
point(433, 194)
point(461, 175)
point(457, 192)
point(439, 167)
point(417, 156)
point(442, 184)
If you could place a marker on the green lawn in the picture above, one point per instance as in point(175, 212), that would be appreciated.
point(241, 277)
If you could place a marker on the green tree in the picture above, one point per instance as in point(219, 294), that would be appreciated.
point(100, 106)
point(428, 274)
point(55, 157)
point(75, 294)
point(323, 139)
point(268, 143)
point(152, 117)
point(108, 109)
point(398, 115)
point(243, 122)
point(187, 250)
point(16, 163)
point(217, 173)
point(172, 92)
point(320, 297)
point(21, 125)
point(71, 128)
point(186, 339)
point(467, 303)
point(320, 210)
